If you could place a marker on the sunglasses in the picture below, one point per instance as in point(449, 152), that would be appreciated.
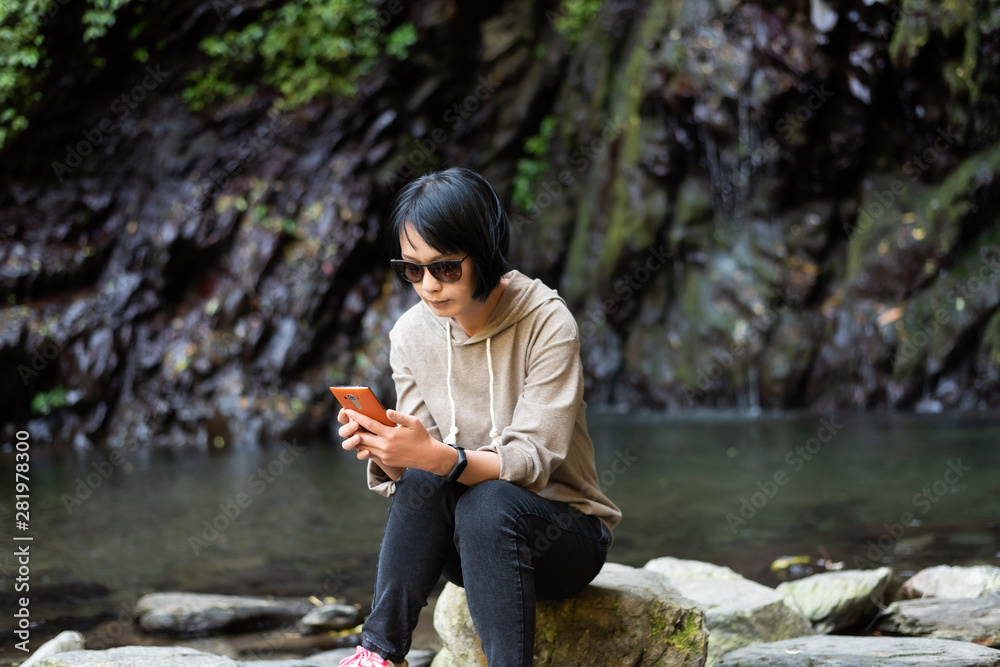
point(444, 271)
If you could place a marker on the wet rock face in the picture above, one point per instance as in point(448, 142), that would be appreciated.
point(780, 212)
point(745, 205)
point(206, 283)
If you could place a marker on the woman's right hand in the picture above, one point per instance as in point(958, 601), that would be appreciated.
point(350, 427)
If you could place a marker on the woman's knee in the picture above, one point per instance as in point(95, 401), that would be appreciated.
point(488, 505)
point(418, 482)
point(415, 489)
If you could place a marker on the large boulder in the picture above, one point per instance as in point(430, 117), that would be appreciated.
point(738, 612)
point(189, 614)
point(840, 651)
point(838, 601)
point(946, 581)
point(964, 619)
point(626, 616)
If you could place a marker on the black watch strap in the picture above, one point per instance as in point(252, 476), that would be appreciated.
point(460, 464)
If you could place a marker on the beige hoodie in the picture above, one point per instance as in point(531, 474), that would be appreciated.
point(514, 388)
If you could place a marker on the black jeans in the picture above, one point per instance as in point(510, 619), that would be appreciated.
point(505, 545)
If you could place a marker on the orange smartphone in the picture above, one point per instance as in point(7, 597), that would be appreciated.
point(362, 399)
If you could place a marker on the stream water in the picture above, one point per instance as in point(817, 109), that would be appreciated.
point(296, 519)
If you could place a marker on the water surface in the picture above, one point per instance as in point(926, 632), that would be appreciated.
point(908, 491)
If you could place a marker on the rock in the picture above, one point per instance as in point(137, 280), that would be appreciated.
point(945, 581)
point(837, 651)
point(139, 656)
point(838, 601)
point(330, 617)
point(627, 616)
point(963, 619)
point(739, 612)
point(161, 656)
point(69, 640)
point(199, 614)
point(219, 646)
point(420, 658)
point(415, 658)
point(822, 15)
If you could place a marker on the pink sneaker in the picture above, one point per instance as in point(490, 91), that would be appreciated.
point(365, 658)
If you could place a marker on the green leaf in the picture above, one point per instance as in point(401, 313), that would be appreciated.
point(303, 50)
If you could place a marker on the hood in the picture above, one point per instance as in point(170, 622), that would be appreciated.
point(521, 296)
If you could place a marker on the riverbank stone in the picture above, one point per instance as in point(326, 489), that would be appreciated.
point(963, 619)
point(947, 581)
point(738, 612)
point(843, 651)
point(626, 616)
point(139, 656)
point(330, 618)
point(163, 656)
point(70, 640)
point(194, 614)
point(415, 658)
point(838, 601)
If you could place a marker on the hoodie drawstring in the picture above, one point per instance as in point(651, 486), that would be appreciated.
point(494, 435)
point(452, 437)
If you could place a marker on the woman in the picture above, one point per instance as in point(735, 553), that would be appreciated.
point(490, 464)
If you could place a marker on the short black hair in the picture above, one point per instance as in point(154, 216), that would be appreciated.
point(455, 210)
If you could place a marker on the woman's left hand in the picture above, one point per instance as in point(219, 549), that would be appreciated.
point(405, 445)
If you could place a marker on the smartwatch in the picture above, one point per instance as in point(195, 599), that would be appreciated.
point(460, 464)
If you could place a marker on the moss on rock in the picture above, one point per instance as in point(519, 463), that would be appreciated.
point(626, 616)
